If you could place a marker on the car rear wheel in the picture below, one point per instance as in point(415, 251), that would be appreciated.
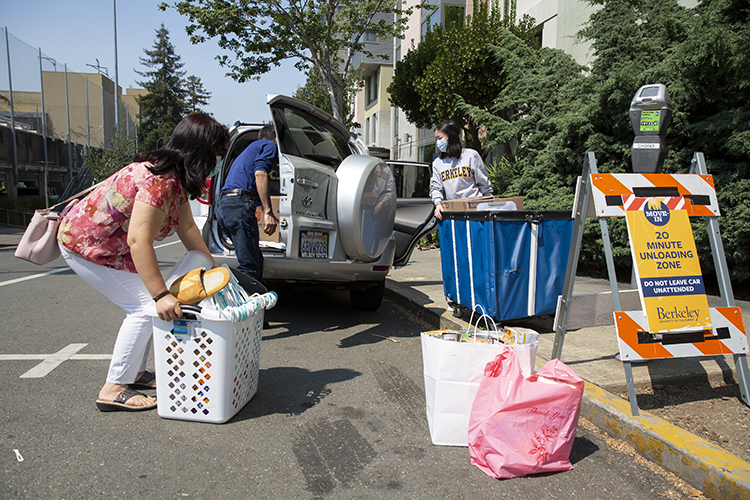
point(368, 299)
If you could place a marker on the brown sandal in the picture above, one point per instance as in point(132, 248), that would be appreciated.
point(119, 403)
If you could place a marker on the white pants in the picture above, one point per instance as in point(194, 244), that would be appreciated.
point(126, 290)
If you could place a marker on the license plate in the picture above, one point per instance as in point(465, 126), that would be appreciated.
point(313, 245)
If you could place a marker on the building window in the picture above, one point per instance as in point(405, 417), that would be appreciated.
point(395, 122)
point(454, 16)
point(430, 18)
point(371, 36)
point(371, 89)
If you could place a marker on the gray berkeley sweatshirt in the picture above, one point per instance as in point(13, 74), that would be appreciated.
point(463, 177)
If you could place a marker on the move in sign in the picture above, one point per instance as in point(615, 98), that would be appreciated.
point(669, 276)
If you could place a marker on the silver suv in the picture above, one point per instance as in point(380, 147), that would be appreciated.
point(343, 218)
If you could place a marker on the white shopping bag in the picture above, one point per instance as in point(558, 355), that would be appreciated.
point(452, 372)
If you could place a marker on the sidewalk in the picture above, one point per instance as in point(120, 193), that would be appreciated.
point(591, 351)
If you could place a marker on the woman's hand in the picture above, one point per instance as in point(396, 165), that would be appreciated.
point(439, 211)
point(168, 308)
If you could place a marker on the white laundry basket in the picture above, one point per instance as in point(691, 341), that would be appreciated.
point(207, 362)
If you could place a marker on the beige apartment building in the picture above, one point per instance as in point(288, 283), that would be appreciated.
point(72, 111)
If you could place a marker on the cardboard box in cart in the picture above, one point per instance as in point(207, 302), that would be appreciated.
point(470, 204)
point(207, 369)
point(511, 262)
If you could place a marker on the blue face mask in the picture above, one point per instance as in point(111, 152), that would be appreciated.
point(217, 168)
point(442, 145)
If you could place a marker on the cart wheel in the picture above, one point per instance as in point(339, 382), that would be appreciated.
point(458, 310)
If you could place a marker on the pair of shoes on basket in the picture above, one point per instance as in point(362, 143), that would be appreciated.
point(120, 402)
point(199, 284)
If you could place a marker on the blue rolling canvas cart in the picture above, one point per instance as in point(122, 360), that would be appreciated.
point(512, 263)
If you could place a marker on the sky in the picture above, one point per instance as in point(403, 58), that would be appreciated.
point(78, 32)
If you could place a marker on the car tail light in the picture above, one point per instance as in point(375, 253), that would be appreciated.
point(380, 268)
point(205, 197)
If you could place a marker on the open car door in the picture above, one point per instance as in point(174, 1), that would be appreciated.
point(414, 209)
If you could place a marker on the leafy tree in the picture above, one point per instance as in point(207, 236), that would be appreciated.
point(455, 66)
point(563, 112)
point(103, 163)
point(164, 105)
point(195, 95)
point(320, 35)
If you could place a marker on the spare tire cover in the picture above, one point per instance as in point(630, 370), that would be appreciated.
point(365, 206)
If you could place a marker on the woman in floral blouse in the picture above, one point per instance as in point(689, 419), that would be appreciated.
point(107, 239)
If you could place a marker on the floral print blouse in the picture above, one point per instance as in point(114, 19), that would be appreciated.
point(96, 228)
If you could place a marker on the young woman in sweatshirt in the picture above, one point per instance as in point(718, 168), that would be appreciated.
point(457, 172)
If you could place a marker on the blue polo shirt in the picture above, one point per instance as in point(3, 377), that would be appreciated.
point(261, 155)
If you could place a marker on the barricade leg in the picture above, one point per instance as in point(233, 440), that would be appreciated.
point(631, 389)
point(743, 376)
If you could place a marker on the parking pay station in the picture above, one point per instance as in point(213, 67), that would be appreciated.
point(650, 116)
point(674, 319)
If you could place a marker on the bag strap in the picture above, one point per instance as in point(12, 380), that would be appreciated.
point(484, 316)
point(75, 196)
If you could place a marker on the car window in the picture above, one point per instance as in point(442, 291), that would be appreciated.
point(305, 135)
point(412, 179)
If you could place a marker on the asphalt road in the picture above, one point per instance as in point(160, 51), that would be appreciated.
point(339, 412)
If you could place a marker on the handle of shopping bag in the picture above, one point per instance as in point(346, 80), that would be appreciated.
point(485, 316)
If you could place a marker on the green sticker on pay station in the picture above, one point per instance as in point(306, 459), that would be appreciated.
point(650, 120)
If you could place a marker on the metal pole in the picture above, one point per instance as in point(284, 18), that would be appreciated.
point(67, 114)
point(88, 124)
point(117, 81)
point(104, 127)
point(44, 113)
point(12, 190)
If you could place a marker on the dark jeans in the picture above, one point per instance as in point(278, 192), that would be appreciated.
point(236, 218)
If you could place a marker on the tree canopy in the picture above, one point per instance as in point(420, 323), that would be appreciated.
point(320, 35)
point(455, 65)
point(562, 110)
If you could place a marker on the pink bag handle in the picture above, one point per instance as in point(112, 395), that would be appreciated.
point(557, 370)
point(495, 367)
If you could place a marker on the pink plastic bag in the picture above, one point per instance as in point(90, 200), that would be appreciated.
point(520, 426)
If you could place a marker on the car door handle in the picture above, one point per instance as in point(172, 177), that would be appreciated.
point(302, 181)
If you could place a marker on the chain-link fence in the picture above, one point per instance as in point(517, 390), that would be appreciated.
point(49, 115)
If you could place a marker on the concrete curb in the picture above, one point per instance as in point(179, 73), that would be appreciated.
point(696, 461)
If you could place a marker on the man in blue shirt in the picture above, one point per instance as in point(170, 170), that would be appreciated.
point(245, 189)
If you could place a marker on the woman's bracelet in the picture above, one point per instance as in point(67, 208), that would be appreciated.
point(161, 295)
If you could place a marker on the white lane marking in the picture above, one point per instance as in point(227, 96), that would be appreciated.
point(52, 361)
point(55, 271)
point(18, 455)
point(31, 277)
point(167, 244)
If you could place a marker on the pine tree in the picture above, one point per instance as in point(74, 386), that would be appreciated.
point(164, 105)
point(195, 95)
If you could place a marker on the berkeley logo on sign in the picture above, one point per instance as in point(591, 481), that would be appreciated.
point(656, 211)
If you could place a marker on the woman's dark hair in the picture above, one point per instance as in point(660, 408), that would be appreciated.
point(191, 151)
point(451, 130)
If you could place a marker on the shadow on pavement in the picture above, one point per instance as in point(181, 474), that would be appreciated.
point(290, 390)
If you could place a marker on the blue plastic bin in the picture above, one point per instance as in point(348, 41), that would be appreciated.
point(512, 263)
